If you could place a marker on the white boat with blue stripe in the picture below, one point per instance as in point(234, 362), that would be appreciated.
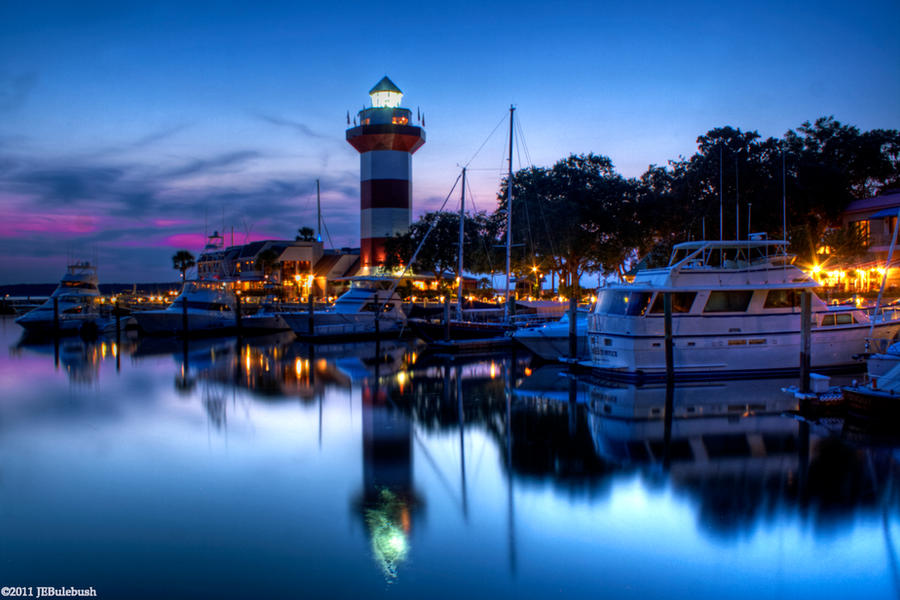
point(735, 313)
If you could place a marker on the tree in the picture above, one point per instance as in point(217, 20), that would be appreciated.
point(266, 260)
point(439, 253)
point(306, 234)
point(827, 165)
point(580, 215)
point(182, 261)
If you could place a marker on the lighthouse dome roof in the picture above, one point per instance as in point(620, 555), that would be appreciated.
point(385, 85)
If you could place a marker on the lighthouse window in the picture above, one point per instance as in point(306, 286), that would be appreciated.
point(399, 120)
point(736, 301)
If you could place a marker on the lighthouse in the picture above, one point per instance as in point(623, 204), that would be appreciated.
point(386, 141)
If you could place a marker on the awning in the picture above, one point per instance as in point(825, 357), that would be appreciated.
point(886, 212)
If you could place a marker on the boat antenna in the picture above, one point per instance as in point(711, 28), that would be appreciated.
point(783, 198)
point(721, 178)
point(737, 200)
point(509, 198)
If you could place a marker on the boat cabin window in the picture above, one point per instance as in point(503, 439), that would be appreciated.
point(782, 299)
point(837, 319)
point(734, 301)
point(633, 304)
point(681, 302)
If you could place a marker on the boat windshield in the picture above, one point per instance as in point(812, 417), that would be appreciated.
point(623, 303)
point(83, 285)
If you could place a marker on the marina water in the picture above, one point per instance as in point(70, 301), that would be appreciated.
point(269, 468)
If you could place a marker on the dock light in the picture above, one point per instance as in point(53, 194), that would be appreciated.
point(816, 269)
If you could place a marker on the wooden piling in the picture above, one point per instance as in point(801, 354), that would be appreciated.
point(184, 315)
point(311, 314)
point(237, 313)
point(117, 317)
point(805, 338)
point(573, 330)
point(56, 317)
point(447, 318)
point(670, 355)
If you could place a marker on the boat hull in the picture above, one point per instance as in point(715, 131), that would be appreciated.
point(331, 324)
point(168, 322)
point(736, 355)
point(551, 342)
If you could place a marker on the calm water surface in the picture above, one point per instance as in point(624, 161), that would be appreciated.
point(271, 470)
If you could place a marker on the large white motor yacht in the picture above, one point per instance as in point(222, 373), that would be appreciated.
point(735, 313)
point(76, 298)
point(209, 309)
point(354, 312)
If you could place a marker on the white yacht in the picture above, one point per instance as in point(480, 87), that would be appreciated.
point(209, 309)
point(735, 313)
point(550, 341)
point(354, 312)
point(76, 297)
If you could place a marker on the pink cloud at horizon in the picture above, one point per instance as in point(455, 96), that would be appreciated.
point(196, 241)
point(25, 224)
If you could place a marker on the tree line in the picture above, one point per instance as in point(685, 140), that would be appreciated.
point(580, 215)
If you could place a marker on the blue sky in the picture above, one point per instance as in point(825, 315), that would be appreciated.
point(128, 130)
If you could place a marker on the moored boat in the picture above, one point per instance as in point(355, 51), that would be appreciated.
point(369, 307)
point(735, 313)
point(76, 299)
point(207, 307)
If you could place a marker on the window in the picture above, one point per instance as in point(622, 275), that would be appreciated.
point(681, 302)
point(862, 228)
point(623, 303)
point(728, 301)
point(782, 299)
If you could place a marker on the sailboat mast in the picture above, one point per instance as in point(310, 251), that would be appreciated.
point(318, 214)
point(462, 222)
point(509, 197)
point(783, 198)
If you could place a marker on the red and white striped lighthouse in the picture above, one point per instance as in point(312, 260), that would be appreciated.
point(386, 142)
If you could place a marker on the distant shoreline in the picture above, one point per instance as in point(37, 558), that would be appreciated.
point(45, 289)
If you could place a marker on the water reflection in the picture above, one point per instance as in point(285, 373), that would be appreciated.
point(388, 498)
point(380, 461)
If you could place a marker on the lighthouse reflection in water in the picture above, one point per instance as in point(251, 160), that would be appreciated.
point(261, 466)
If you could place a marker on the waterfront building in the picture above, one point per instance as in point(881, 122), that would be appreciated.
point(386, 140)
point(874, 219)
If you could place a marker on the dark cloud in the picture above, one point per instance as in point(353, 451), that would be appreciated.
point(215, 164)
point(296, 126)
point(14, 89)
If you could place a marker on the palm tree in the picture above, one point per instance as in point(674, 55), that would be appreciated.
point(307, 234)
point(182, 261)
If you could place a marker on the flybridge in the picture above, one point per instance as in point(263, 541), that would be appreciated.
point(730, 255)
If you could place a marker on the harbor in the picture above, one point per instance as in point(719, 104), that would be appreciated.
point(370, 300)
point(376, 460)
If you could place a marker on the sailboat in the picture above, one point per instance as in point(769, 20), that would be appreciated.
point(485, 332)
